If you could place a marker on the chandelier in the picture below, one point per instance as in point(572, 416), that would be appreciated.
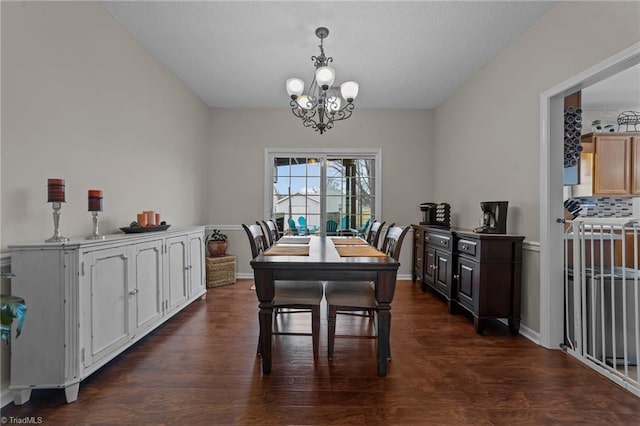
point(323, 104)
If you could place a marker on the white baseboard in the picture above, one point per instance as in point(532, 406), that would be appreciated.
point(525, 332)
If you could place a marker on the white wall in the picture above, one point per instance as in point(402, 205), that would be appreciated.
point(236, 172)
point(488, 132)
point(82, 100)
point(496, 143)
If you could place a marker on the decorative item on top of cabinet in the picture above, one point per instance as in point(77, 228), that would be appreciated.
point(629, 119)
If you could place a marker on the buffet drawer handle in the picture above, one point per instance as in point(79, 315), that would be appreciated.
point(465, 247)
point(443, 242)
point(455, 277)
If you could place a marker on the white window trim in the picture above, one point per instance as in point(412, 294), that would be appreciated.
point(271, 153)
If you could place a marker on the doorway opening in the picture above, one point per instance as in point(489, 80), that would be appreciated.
point(551, 190)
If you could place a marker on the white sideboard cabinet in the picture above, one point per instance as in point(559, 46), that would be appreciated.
point(88, 301)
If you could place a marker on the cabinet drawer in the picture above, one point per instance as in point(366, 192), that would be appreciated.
point(437, 240)
point(468, 247)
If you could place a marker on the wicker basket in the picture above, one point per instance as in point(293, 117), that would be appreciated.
point(221, 270)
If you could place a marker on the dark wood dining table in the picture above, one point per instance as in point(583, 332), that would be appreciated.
point(324, 263)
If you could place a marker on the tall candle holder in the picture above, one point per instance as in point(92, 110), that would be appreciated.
point(95, 206)
point(56, 196)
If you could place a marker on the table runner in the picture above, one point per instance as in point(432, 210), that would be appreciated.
point(359, 251)
point(348, 241)
point(297, 250)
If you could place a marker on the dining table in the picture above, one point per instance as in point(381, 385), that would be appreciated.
point(325, 258)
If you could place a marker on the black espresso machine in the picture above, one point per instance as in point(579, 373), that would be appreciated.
point(494, 217)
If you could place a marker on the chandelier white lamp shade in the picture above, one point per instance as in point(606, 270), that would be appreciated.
point(324, 103)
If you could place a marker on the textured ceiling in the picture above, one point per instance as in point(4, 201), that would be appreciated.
point(405, 55)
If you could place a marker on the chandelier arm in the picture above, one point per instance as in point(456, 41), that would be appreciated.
point(344, 113)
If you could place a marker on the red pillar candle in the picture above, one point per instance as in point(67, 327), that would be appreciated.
point(55, 191)
point(95, 200)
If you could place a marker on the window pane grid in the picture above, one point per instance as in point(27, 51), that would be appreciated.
point(347, 192)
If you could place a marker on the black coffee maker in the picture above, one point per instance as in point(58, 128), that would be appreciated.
point(428, 213)
point(494, 217)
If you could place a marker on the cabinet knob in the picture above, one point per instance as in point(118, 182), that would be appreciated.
point(443, 242)
point(465, 247)
point(134, 291)
point(455, 277)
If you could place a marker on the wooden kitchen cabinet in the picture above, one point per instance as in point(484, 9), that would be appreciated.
point(616, 163)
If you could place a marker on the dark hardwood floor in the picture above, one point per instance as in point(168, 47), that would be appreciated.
point(201, 368)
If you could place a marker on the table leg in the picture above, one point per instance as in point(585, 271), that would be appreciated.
point(385, 289)
point(265, 290)
point(265, 316)
point(384, 348)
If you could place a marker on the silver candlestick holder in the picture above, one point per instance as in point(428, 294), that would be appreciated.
point(95, 235)
point(56, 224)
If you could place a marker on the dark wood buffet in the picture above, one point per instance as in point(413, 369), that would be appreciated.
point(480, 273)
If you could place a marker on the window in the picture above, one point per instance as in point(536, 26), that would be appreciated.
point(308, 188)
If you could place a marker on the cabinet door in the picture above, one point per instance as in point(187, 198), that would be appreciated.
point(635, 166)
point(107, 307)
point(612, 165)
point(148, 284)
point(443, 272)
point(196, 263)
point(429, 264)
point(467, 277)
point(176, 266)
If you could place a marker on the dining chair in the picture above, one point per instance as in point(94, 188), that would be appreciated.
point(267, 239)
point(382, 236)
point(273, 232)
point(368, 232)
point(374, 233)
point(353, 296)
point(298, 295)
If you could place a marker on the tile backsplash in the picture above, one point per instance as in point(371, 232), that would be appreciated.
point(606, 206)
